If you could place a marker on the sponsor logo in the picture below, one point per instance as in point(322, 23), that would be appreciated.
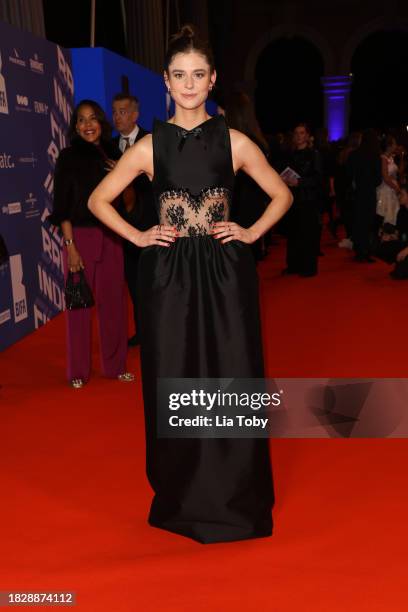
point(12, 208)
point(22, 103)
point(40, 107)
point(6, 161)
point(23, 100)
point(28, 160)
point(3, 92)
point(19, 291)
point(5, 316)
point(31, 207)
point(36, 65)
point(16, 59)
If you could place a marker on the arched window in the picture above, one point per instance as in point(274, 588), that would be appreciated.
point(380, 76)
point(289, 89)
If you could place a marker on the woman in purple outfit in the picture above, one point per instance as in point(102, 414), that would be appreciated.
point(90, 246)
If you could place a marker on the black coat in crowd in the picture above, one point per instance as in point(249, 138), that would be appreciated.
point(303, 229)
point(79, 169)
point(365, 175)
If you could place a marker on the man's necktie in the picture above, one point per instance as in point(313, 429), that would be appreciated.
point(127, 143)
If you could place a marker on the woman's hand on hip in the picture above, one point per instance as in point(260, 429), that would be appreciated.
point(225, 231)
point(161, 235)
point(75, 263)
point(110, 164)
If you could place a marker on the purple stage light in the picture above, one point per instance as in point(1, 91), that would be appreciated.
point(336, 95)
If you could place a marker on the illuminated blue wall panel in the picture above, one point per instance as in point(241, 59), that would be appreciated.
point(98, 75)
point(336, 93)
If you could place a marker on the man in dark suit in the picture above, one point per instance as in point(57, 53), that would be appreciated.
point(137, 205)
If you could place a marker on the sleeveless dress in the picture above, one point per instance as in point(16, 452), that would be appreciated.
point(387, 199)
point(200, 318)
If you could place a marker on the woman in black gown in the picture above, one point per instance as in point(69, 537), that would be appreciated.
point(199, 299)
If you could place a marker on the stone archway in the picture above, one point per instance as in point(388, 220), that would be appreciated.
point(283, 31)
point(376, 25)
point(288, 84)
point(330, 89)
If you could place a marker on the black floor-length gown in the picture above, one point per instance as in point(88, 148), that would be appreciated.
point(200, 318)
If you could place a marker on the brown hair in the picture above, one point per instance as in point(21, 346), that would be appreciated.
point(303, 125)
point(240, 115)
point(186, 41)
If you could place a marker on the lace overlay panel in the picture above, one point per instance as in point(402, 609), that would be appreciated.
point(194, 215)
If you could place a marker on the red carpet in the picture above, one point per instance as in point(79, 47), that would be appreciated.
point(75, 497)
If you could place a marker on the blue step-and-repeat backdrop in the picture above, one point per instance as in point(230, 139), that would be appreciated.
point(36, 101)
point(39, 85)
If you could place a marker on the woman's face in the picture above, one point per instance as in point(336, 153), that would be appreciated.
point(392, 147)
point(88, 126)
point(301, 137)
point(189, 78)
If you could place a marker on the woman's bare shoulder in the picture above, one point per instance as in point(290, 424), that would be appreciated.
point(238, 137)
point(145, 143)
point(142, 149)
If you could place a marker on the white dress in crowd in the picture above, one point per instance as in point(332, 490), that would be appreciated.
point(387, 199)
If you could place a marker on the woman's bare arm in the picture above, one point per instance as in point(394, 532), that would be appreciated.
point(137, 160)
point(248, 157)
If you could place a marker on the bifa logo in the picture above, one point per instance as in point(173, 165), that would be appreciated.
point(3, 93)
point(22, 100)
point(19, 291)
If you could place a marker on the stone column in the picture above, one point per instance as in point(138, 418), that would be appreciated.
point(336, 91)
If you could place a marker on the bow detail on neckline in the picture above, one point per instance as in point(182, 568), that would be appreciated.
point(184, 134)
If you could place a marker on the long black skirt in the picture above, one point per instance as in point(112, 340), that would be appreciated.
point(200, 318)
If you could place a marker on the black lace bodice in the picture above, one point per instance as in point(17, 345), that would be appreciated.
point(193, 175)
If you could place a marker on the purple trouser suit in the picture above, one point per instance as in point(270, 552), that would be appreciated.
point(102, 255)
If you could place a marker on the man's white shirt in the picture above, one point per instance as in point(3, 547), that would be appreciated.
point(132, 137)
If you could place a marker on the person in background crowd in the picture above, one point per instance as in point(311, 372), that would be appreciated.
point(328, 160)
point(401, 159)
point(400, 271)
point(249, 200)
point(303, 217)
point(387, 192)
point(90, 246)
point(136, 206)
point(393, 245)
point(364, 171)
point(344, 188)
